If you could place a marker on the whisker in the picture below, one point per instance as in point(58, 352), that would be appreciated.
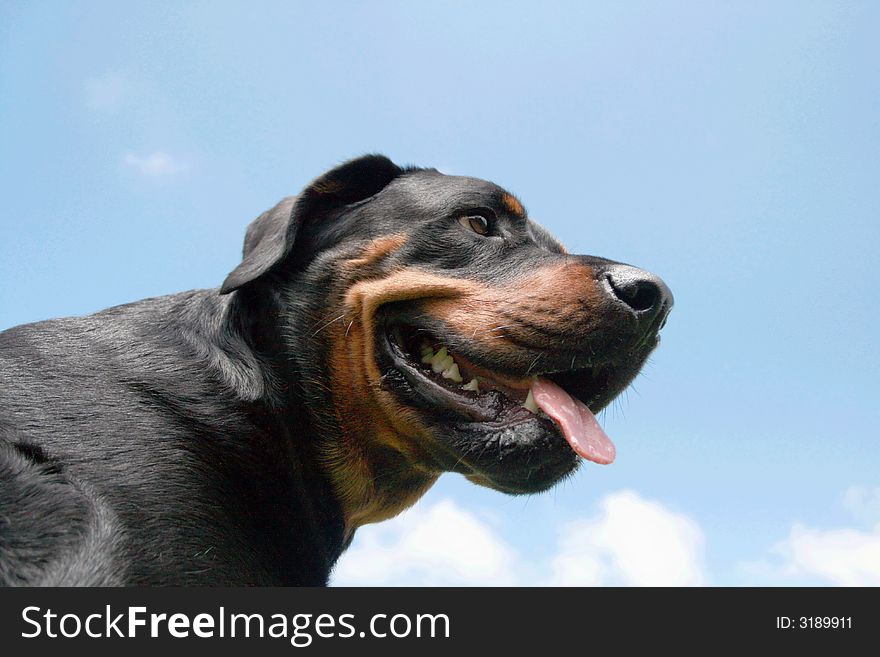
point(534, 362)
point(342, 316)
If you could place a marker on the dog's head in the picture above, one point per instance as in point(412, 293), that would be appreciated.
point(434, 327)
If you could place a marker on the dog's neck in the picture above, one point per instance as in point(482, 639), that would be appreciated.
point(370, 480)
point(330, 436)
point(280, 410)
point(371, 483)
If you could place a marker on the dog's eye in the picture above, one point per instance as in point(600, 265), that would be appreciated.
point(475, 222)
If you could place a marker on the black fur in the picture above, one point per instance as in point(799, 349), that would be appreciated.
point(175, 440)
point(180, 452)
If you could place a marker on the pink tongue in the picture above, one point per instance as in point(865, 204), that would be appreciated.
point(578, 424)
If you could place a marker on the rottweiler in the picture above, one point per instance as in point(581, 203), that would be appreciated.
point(385, 326)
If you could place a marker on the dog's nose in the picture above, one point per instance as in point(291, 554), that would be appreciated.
point(643, 293)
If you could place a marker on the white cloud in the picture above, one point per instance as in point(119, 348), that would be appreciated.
point(154, 165)
point(105, 93)
point(440, 545)
point(845, 557)
point(631, 541)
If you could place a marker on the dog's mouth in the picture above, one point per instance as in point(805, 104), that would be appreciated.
point(483, 395)
point(518, 431)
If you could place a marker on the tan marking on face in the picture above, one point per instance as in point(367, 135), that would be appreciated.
point(512, 204)
point(378, 250)
point(370, 417)
point(362, 489)
point(564, 294)
point(566, 285)
point(366, 297)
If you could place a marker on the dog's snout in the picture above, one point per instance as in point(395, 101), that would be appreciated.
point(643, 293)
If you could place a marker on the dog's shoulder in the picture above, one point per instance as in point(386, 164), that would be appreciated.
point(145, 430)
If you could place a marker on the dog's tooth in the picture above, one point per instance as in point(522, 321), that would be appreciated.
point(474, 385)
point(452, 373)
point(427, 349)
point(440, 365)
point(438, 359)
point(428, 356)
point(530, 403)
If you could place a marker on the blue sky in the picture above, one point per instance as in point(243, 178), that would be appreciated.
point(731, 148)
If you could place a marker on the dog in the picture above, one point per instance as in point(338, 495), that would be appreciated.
point(385, 326)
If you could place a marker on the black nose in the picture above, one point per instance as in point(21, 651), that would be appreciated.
point(644, 294)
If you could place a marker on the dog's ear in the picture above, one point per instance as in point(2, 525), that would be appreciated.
point(271, 236)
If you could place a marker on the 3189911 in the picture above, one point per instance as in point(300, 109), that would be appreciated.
point(814, 622)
